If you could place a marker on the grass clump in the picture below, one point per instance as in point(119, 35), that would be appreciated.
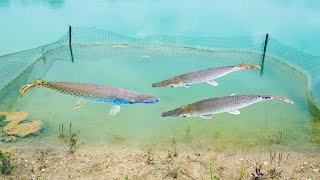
point(212, 176)
point(174, 173)
point(70, 139)
point(6, 167)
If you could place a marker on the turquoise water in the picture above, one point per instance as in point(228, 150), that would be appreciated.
point(141, 125)
point(27, 24)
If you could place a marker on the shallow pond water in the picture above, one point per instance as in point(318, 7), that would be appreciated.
point(137, 68)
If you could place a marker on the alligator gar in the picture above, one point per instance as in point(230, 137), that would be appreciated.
point(94, 93)
point(206, 75)
point(229, 104)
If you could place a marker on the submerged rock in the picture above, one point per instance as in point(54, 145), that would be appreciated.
point(19, 124)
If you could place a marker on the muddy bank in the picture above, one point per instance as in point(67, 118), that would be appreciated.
point(153, 163)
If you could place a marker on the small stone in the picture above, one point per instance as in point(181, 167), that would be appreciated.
point(305, 163)
point(265, 163)
point(197, 154)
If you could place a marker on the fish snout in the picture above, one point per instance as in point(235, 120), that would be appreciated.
point(164, 114)
point(178, 112)
point(151, 100)
point(159, 84)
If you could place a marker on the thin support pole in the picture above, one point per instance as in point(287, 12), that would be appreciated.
point(70, 47)
point(264, 53)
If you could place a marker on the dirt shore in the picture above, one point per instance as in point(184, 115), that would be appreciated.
point(154, 163)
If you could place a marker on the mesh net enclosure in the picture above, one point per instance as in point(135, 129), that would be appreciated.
point(95, 45)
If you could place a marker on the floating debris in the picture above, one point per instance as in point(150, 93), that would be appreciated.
point(19, 124)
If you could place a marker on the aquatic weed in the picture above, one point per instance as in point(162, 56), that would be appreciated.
point(126, 178)
point(175, 146)
point(116, 138)
point(275, 138)
point(6, 167)
point(61, 131)
point(217, 134)
point(71, 140)
point(188, 129)
point(212, 176)
point(280, 157)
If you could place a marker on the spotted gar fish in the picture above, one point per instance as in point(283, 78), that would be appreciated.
point(94, 93)
point(229, 104)
point(207, 75)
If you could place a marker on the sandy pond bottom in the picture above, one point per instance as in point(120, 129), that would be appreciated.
point(152, 163)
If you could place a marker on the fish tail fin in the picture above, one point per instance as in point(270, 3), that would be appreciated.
point(36, 83)
point(286, 100)
point(248, 66)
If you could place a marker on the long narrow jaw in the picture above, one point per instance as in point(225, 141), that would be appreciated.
point(150, 100)
point(175, 113)
point(165, 83)
point(172, 82)
point(28, 86)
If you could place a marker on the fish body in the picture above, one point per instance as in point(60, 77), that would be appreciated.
point(206, 75)
point(94, 92)
point(230, 104)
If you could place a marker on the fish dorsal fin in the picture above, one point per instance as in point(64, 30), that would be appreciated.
point(213, 83)
point(207, 116)
point(114, 110)
point(234, 112)
point(78, 104)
